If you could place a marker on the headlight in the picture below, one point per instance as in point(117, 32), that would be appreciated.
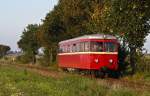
point(110, 61)
point(96, 61)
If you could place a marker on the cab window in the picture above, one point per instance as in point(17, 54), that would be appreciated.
point(97, 46)
point(110, 47)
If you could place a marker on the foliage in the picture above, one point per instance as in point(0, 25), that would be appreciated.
point(49, 35)
point(3, 50)
point(24, 59)
point(28, 42)
point(143, 64)
point(44, 59)
point(123, 62)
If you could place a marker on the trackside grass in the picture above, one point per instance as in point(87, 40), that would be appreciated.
point(16, 81)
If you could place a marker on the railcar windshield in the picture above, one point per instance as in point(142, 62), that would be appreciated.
point(97, 47)
point(110, 47)
point(103, 47)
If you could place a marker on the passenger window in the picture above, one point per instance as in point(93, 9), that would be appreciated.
point(87, 46)
point(60, 49)
point(97, 46)
point(74, 48)
point(68, 48)
point(78, 47)
point(82, 47)
point(65, 49)
point(110, 47)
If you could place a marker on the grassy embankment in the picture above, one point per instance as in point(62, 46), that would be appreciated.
point(16, 81)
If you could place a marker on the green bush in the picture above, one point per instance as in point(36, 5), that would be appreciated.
point(24, 59)
point(123, 55)
point(43, 62)
point(143, 64)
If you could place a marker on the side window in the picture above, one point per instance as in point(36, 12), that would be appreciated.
point(74, 47)
point(64, 49)
point(78, 47)
point(82, 47)
point(97, 46)
point(71, 48)
point(110, 47)
point(87, 46)
point(60, 49)
point(68, 48)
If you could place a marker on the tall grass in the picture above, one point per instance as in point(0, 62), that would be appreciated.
point(144, 64)
point(20, 82)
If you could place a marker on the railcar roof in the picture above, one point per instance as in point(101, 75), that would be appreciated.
point(94, 36)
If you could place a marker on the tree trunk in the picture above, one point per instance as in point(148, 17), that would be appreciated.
point(34, 59)
point(55, 54)
point(51, 56)
point(133, 59)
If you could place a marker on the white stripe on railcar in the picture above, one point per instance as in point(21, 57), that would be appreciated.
point(98, 53)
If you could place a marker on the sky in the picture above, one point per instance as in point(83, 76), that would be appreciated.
point(15, 15)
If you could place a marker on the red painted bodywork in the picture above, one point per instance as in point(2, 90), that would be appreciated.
point(87, 60)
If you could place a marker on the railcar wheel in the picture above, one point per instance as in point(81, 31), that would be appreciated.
point(99, 74)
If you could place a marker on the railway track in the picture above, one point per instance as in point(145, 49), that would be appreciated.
point(137, 85)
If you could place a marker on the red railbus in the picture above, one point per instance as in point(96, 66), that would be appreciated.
point(90, 52)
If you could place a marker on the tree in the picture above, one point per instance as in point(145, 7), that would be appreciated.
point(3, 50)
point(81, 13)
point(50, 33)
point(28, 42)
point(128, 20)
